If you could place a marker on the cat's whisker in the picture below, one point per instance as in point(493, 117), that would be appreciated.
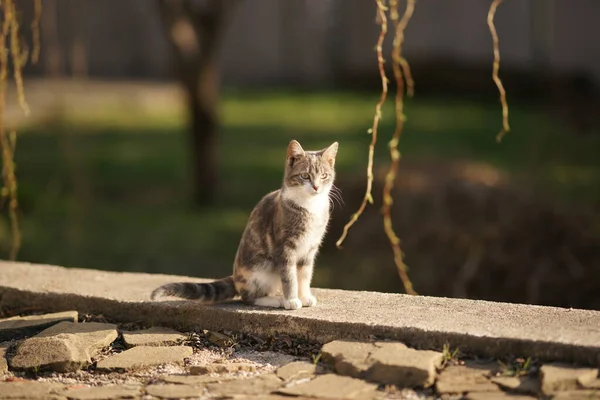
point(333, 199)
point(336, 194)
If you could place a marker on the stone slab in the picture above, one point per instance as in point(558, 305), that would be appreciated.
point(194, 380)
point(154, 336)
point(348, 357)
point(332, 386)
point(383, 362)
point(484, 327)
point(595, 384)
point(393, 364)
point(497, 396)
point(63, 347)
point(298, 370)
point(30, 390)
point(109, 392)
point(560, 378)
point(19, 327)
point(261, 385)
point(222, 368)
point(524, 384)
point(168, 391)
point(141, 357)
point(471, 377)
point(577, 395)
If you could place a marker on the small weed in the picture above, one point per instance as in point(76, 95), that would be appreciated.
point(519, 367)
point(449, 356)
point(316, 358)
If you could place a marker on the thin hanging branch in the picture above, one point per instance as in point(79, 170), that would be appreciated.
point(400, 66)
point(17, 59)
point(382, 19)
point(9, 40)
point(496, 66)
point(35, 29)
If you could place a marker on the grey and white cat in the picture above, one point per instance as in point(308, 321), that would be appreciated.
point(277, 252)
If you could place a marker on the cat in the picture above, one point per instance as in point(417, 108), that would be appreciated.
point(277, 251)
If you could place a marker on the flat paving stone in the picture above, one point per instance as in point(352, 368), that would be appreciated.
point(558, 377)
point(140, 357)
point(298, 370)
point(525, 384)
point(20, 327)
point(64, 347)
point(470, 377)
point(393, 364)
point(155, 336)
point(29, 390)
point(348, 357)
point(331, 386)
point(497, 396)
point(262, 384)
point(103, 392)
point(228, 368)
point(383, 362)
point(277, 397)
point(594, 384)
point(577, 395)
point(174, 391)
point(197, 380)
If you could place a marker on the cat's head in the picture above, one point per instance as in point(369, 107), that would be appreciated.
point(309, 173)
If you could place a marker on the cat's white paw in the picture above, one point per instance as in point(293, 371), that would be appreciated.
point(292, 304)
point(309, 301)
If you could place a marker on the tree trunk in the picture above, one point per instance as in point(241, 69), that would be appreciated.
point(194, 33)
point(202, 108)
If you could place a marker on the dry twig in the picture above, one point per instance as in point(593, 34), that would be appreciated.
point(399, 65)
point(9, 39)
point(496, 67)
point(373, 131)
point(35, 29)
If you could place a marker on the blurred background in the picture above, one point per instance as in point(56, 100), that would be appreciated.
point(156, 126)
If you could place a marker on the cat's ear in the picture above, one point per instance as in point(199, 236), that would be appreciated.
point(294, 151)
point(330, 153)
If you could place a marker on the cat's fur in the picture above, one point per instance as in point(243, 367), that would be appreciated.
point(278, 247)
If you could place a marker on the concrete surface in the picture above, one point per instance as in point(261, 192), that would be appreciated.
point(493, 329)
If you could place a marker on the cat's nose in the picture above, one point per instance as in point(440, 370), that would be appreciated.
point(316, 187)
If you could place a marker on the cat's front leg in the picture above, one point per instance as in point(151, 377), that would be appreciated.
point(289, 285)
point(305, 273)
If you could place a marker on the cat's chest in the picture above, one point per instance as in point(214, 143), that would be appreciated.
point(313, 232)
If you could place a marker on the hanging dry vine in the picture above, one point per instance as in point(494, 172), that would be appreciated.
point(9, 40)
point(496, 67)
point(35, 30)
point(381, 8)
point(404, 81)
point(401, 73)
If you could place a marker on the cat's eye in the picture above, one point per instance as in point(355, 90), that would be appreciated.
point(324, 175)
point(305, 176)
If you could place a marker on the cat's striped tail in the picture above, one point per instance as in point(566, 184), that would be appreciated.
point(220, 290)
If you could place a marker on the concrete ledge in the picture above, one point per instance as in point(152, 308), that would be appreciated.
point(480, 327)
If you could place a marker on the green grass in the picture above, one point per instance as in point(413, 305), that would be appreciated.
point(133, 212)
